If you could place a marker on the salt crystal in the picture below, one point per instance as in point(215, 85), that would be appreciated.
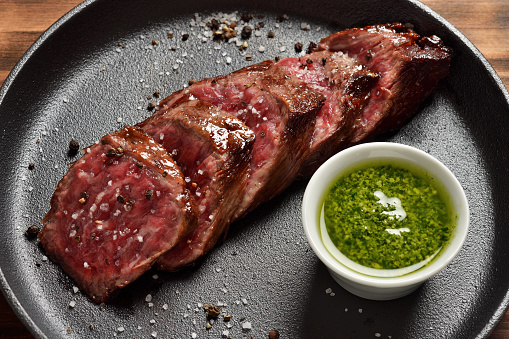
point(304, 26)
point(154, 334)
point(194, 335)
point(165, 307)
point(72, 304)
point(121, 329)
point(329, 290)
point(148, 298)
point(75, 289)
point(152, 321)
point(119, 120)
point(261, 49)
point(246, 326)
point(155, 277)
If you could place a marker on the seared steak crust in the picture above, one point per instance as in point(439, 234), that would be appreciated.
point(278, 108)
point(409, 67)
point(346, 85)
point(213, 149)
point(118, 208)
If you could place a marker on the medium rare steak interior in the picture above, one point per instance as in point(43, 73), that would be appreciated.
point(162, 193)
point(118, 208)
point(213, 149)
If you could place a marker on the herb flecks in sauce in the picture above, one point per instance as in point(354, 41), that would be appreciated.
point(387, 217)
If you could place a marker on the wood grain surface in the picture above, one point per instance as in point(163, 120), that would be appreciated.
point(484, 22)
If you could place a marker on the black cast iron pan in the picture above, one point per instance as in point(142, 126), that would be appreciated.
point(93, 71)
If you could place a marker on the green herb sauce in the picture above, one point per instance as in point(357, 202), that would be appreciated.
point(377, 234)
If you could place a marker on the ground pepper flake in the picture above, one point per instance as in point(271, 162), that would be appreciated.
point(274, 334)
point(298, 47)
point(31, 166)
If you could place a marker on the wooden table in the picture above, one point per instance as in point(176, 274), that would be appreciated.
point(484, 22)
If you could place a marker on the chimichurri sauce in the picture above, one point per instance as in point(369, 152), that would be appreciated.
point(387, 217)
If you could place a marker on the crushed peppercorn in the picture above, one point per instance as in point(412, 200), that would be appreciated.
point(31, 166)
point(148, 194)
point(32, 231)
point(311, 48)
point(246, 32)
point(212, 311)
point(185, 37)
point(298, 47)
point(74, 146)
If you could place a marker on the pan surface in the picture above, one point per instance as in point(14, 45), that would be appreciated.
point(97, 69)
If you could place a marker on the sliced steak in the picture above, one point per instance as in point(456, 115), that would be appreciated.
point(409, 67)
point(280, 110)
point(213, 150)
point(116, 211)
point(346, 85)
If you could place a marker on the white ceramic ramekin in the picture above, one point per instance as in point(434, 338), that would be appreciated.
point(363, 285)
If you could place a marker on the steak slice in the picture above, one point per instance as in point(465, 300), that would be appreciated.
point(118, 208)
point(213, 150)
point(346, 85)
point(409, 67)
point(279, 109)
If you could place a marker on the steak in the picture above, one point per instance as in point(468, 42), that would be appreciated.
point(119, 207)
point(346, 85)
point(409, 66)
point(164, 192)
point(279, 108)
point(213, 150)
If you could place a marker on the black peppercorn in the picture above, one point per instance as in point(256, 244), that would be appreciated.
point(246, 32)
